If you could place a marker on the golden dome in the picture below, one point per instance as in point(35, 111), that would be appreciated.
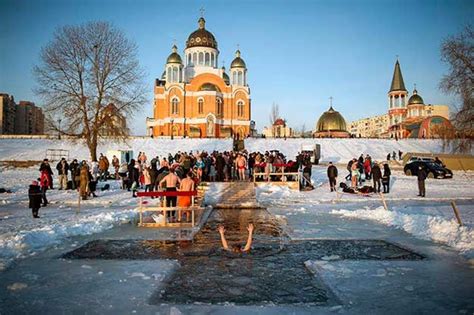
point(237, 62)
point(415, 99)
point(331, 121)
point(174, 57)
point(201, 37)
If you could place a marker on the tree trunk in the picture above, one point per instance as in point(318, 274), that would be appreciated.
point(93, 149)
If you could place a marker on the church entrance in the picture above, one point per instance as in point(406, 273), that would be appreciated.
point(210, 127)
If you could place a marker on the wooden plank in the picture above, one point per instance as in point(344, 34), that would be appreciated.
point(456, 212)
point(167, 193)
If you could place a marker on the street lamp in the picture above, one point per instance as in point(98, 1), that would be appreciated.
point(172, 131)
point(59, 129)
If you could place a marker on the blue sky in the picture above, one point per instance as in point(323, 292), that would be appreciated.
point(298, 53)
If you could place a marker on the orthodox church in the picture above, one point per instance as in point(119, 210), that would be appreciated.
point(410, 117)
point(195, 98)
point(331, 124)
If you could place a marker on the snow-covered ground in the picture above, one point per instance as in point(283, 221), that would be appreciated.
point(21, 235)
point(342, 150)
point(430, 218)
point(440, 284)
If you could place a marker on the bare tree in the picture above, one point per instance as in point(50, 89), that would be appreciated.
point(274, 113)
point(83, 70)
point(458, 52)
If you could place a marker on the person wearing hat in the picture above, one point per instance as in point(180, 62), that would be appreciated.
point(34, 195)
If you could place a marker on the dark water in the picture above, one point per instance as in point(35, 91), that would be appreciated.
point(273, 271)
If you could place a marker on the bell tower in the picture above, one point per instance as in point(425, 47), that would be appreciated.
point(397, 101)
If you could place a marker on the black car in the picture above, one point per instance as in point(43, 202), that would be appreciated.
point(434, 170)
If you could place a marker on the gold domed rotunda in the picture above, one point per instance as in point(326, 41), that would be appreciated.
point(331, 124)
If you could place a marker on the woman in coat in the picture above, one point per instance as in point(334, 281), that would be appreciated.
point(386, 178)
point(84, 182)
point(34, 195)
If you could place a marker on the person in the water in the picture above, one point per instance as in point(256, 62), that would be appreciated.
point(237, 248)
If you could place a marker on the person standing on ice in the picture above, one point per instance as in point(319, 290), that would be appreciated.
point(386, 178)
point(46, 167)
point(84, 180)
point(376, 176)
point(44, 183)
point(241, 166)
point(34, 195)
point(349, 169)
point(75, 170)
point(332, 175)
point(421, 174)
point(355, 174)
point(133, 177)
point(62, 168)
point(116, 165)
point(171, 181)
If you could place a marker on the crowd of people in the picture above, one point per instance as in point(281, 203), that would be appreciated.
point(182, 171)
point(362, 171)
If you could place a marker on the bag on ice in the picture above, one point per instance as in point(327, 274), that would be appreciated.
point(160, 219)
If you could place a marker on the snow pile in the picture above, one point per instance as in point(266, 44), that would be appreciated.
point(27, 239)
point(35, 149)
point(342, 150)
point(428, 227)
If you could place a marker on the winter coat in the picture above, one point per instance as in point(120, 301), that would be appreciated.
point(332, 171)
point(75, 170)
point(421, 174)
point(44, 179)
point(62, 169)
point(46, 167)
point(386, 171)
point(84, 181)
point(34, 194)
point(367, 166)
point(133, 173)
point(103, 163)
point(349, 165)
point(115, 162)
point(376, 173)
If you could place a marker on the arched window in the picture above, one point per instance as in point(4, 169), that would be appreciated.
point(189, 59)
point(175, 106)
point(200, 106)
point(240, 78)
point(207, 59)
point(212, 60)
point(194, 59)
point(234, 77)
point(240, 108)
point(168, 74)
point(175, 74)
point(201, 58)
point(220, 108)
